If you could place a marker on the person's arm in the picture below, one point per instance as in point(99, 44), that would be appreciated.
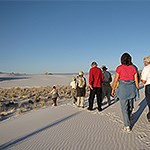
point(102, 78)
point(90, 80)
point(136, 80)
point(51, 91)
point(144, 75)
point(114, 84)
point(57, 93)
point(110, 79)
point(144, 81)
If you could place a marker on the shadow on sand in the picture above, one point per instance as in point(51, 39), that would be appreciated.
point(112, 102)
point(17, 141)
point(140, 110)
point(12, 78)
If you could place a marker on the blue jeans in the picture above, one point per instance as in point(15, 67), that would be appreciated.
point(126, 108)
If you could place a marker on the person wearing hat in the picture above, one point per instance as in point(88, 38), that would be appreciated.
point(73, 85)
point(145, 78)
point(106, 87)
point(95, 82)
point(81, 89)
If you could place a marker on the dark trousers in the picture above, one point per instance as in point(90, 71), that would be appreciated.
point(54, 101)
point(147, 95)
point(106, 91)
point(98, 93)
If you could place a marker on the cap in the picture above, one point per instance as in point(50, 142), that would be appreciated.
point(81, 73)
point(104, 67)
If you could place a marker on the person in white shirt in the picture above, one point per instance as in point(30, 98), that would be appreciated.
point(145, 78)
point(73, 85)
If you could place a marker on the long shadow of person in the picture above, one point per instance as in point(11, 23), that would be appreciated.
point(16, 141)
point(138, 113)
point(112, 101)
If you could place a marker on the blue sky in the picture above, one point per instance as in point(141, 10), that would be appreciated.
point(66, 36)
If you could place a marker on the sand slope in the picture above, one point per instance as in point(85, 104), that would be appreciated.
point(68, 127)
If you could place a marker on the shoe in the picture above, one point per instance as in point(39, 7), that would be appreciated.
point(99, 109)
point(148, 116)
point(127, 129)
point(74, 103)
point(89, 109)
point(108, 103)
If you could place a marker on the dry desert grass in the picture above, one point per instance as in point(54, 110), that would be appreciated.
point(17, 100)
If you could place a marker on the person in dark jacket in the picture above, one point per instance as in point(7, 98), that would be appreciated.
point(106, 87)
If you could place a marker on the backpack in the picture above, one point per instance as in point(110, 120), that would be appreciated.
point(107, 77)
point(81, 82)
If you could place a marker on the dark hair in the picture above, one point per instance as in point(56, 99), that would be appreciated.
point(93, 64)
point(54, 87)
point(126, 59)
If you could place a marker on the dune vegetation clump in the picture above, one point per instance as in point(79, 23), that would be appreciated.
point(20, 100)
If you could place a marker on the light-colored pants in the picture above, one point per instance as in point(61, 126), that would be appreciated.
point(80, 101)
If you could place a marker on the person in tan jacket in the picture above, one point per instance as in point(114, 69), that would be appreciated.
point(55, 95)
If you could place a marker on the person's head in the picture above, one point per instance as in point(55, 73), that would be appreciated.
point(104, 68)
point(81, 73)
point(93, 64)
point(54, 87)
point(126, 59)
point(146, 60)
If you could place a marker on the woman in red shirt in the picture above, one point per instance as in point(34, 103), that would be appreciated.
point(127, 76)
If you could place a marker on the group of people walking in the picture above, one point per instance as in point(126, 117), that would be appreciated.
point(99, 82)
point(126, 80)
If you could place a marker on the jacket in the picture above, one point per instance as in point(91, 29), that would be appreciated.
point(126, 90)
point(96, 77)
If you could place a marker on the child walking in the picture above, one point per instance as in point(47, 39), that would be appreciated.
point(55, 95)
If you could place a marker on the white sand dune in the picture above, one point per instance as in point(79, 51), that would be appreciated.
point(34, 80)
point(70, 128)
point(9, 80)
